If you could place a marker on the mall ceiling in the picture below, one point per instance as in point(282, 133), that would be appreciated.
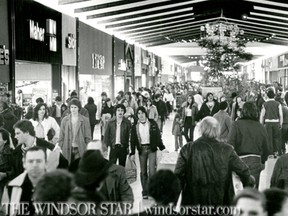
point(162, 23)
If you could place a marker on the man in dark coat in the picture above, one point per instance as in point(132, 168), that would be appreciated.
point(25, 134)
point(204, 168)
point(161, 109)
point(9, 119)
point(117, 136)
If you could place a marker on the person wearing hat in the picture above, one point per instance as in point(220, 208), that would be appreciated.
point(92, 170)
point(115, 187)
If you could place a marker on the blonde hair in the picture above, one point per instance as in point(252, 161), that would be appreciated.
point(210, 127)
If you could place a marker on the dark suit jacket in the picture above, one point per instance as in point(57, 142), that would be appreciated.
point(17, 156)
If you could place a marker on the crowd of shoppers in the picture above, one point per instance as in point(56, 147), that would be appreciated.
point(235, 136)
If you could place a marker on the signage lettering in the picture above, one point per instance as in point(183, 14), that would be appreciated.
point(36, 32)
point(4, 55)
point(70, 42)
point(98, 61)
point(52, 43)
point(51, 31)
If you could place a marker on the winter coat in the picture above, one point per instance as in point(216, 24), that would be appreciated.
point(249, 137)
point(9, 120)
point(110, 132)
point(82, 137)
point(205, 111)
point(280, 173)
point(92, 110)
point(117, 188)
point(204, 169)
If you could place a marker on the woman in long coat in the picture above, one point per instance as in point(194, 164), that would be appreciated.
point(204, 168)
point(75, 132)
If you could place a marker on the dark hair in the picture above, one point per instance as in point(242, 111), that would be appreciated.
point(39, 100)
point(193, 100)
point(25, 126)
point(73, 94)
point(37, 108)
point(156, 96)
point(75, 102)
point(223, 105)
point(4, 105)
point(33, 149)
point(270, 94)
point(249, 111)
point(275, 199)
point(58, 98)
point(103, 94)
point(121, 106)
point(121, 93)
point(208, 94)
point(250, 193)
point(129, 94)
point(164, 187)
point(143, 110)
point(5, 136)
point(55, 186)
point(90, 100)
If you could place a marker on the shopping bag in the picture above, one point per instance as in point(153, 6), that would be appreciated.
point(131, 170)
point(237, 184)
point(266, 174)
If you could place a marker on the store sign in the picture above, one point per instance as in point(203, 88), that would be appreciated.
point(36, 32)
point(4, 55)
point(51, 31)
point(70, 41)
point(98, 61)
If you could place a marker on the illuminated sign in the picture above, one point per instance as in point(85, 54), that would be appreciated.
point(36, 32)
point(70, 41)
point(51, 32)
point(4, 55)
point(98, 61)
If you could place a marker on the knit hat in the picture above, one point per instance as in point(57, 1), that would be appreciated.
point(93, 168)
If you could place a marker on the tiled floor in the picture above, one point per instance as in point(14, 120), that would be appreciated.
point(168, 140)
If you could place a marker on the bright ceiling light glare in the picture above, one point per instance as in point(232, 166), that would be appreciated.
point(244, 17)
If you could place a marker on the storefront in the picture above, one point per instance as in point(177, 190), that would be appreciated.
point(38, 53)
point(137, 68)
point(95, 63)
point(69, 43)
point(4, 50)
point(120, 65)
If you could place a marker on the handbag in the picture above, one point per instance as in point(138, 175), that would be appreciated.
point(51, 133)
point(131, 170)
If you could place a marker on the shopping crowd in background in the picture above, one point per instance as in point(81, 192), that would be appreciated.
point(49, 154)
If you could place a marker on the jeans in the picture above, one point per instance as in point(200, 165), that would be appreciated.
point(274, 132)
point(118, 152)
point(146, 154)
point(255, 166)
point(188, 127)
point(178, 140)
point(160, 124)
